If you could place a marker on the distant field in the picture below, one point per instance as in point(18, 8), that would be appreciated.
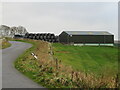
point(93, 59)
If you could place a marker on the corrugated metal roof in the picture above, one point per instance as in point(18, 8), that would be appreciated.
point(88, 33)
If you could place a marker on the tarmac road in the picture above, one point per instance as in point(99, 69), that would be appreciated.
point(11, 78)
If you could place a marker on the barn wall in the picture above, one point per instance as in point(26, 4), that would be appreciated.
point(63, 37)
point(109, 38)
point(91, 39)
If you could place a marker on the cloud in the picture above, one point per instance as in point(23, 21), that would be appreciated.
point(54, 17)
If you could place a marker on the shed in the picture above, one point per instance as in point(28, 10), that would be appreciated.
point(86, 37)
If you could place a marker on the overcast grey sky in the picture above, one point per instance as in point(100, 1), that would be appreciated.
point(56, 17)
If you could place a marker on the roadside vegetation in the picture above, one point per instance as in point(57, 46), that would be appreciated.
point(52, 70)
point(4, 43)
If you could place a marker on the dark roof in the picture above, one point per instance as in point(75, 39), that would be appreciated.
point(88, 33)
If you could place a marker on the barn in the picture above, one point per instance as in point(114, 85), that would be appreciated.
point(86, 37)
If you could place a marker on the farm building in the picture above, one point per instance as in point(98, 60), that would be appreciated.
point(86, 37)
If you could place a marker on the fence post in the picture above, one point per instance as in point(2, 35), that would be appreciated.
point(56, 63)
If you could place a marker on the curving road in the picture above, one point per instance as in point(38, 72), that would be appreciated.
point(11, 78)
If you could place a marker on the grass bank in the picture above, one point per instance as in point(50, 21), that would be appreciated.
point(51, 72)
point(4, 43)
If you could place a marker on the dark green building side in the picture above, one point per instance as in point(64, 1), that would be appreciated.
point(85, 39)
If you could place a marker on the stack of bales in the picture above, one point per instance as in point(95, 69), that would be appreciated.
point(42, 36)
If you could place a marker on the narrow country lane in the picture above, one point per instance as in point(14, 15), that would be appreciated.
point(11, 78)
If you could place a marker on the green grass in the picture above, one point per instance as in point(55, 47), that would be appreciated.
point(93, 59)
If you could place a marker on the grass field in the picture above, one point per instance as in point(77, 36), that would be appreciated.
point(94, 59)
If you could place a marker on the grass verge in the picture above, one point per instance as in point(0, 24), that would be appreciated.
point(4, 43)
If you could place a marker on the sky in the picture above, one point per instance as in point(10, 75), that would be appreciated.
point(56, 17)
